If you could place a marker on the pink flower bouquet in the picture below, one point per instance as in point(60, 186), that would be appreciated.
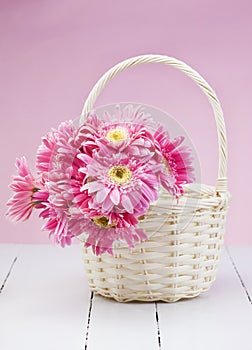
point(100, 179)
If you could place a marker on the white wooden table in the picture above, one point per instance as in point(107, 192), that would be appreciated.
point(45, 303)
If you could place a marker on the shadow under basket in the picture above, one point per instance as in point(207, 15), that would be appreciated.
point(181, 255)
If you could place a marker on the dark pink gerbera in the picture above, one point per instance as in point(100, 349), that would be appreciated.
point(177, 160)
point(28, 193)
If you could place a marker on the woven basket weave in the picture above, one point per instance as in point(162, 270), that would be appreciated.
point(178, 260)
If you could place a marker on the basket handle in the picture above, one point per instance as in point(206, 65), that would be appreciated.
point(221, 183)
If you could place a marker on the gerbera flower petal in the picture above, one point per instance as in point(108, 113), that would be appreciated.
point(126, 202)
point(107, 205)
point(101, 195)
point(115, 196)
point(92, 186)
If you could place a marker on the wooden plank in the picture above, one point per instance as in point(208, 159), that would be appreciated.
point(8, 253)
point(123, 326)
point(46, 301)
point(241, 257)
point(218, 319)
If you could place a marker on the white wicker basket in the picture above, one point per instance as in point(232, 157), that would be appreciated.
point(173, 263)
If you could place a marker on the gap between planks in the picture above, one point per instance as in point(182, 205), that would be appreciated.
point(239, 276)
point(8, 274)
point(89, 319)
point(158, 327)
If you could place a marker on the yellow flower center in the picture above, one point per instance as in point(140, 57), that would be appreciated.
point(102, 221)
point(166, 165)
point(117, 135)
point(120, 174)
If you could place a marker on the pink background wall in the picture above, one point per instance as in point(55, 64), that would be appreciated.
point(52, 52)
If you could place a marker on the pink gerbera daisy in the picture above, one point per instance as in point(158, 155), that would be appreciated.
point(61, 226)
point(55, 144)
point(102, 231)
point(119, 183)
point(177, 162)
point(127, 130)
point(28, 193)
point(64, 218)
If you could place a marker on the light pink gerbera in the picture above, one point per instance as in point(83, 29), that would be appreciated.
point(58, 165)
point(177, 162)
point(28, 193)
point(102, 231)
point(119, 183)
point(56, 144)
point(127, 130)
point(64, 216)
